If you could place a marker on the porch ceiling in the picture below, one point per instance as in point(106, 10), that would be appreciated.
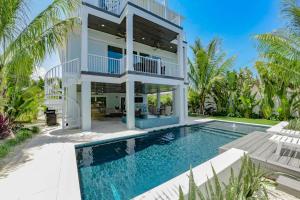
point(102, 88)
point(144, 31)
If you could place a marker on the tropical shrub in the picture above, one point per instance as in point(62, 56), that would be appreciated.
point(294, 124)
point(207, 67)
point(250, 183)
point(24, 45)
point(5, 127)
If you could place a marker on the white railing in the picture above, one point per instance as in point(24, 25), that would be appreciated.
point(106, 65)
point(112, 6)
point(146, 64)
point(57, 80)
point(157, 8)
point(170, 69)
point(149, 65)
point(60, 76)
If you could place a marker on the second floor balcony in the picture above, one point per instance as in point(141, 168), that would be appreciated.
point(156, 7)
point(141, 65)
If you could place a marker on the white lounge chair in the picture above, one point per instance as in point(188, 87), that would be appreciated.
point(289, 142)
point(290, 133)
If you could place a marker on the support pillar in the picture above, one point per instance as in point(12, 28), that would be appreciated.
point(180, 54)
point(158, 100)
point(86, 119)
point(179, 104)
point(84, 40)
point(129, 42)
point(130, 105)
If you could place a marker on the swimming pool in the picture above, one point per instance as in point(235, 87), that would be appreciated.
point(124, 169)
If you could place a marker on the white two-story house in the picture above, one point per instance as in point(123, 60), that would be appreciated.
point(123, 51)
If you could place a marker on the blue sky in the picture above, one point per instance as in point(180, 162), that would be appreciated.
point(233, 21)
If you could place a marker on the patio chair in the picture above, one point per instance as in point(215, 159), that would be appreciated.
point(286, 141)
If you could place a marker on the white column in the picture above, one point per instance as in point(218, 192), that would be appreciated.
point(185, 63)
point(129, 42)
point(158, 99)
point(179, 104)
point(174, 102)
point(180, 53)
point(165, 2)
point(130, 105)
point(185, 100)
point(86, 120)
point(72, 97)
point(84, 40)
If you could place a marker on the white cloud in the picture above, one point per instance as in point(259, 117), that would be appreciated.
point(38, 72)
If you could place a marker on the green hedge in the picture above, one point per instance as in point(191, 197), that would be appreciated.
point(21, 135)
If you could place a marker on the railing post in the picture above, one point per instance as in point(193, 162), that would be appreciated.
point(148, 5)
point(158, 66)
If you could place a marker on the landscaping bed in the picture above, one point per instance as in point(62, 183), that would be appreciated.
point(8, 144)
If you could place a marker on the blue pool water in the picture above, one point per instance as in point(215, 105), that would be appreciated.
point(123, 169)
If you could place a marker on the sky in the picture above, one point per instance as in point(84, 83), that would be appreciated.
point(235, 22)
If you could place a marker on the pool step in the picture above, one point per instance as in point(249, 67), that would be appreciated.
point(223, 132)
point(289, 185)
point(231, 131)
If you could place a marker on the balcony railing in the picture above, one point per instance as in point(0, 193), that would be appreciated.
point(145, 65)
point(153, 6)
point(102, 64)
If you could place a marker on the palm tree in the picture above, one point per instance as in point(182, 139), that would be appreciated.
point(24, 44)
point(279, 69)
point(208, 65)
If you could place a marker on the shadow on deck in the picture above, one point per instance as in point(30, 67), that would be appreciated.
point(262, 151)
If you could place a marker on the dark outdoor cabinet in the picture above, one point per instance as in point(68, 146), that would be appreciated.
point(51, 119)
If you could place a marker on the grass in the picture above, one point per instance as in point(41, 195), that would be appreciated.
point(247, 120)
point(21, 136)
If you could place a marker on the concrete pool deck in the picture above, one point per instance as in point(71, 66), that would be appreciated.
point(45, 166)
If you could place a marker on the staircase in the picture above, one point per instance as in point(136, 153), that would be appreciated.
point(58, 81)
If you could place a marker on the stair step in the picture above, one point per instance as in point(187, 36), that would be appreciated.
point(289, 185)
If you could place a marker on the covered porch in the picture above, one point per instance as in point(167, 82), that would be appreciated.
point(135, 104)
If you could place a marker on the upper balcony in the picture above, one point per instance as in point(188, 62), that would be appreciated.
point(154, 6)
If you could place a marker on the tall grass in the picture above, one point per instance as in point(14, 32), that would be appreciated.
point(250, 183)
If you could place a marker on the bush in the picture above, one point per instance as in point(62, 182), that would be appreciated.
point(35, 129)
point(250, 183)
point(5, 127)
point(22, 135)
point(294, 124)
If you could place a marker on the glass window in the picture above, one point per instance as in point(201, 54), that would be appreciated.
point(113, 65)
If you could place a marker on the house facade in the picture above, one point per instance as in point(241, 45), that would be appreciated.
point(123, 51)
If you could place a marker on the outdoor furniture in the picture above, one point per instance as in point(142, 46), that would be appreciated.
point(290, 133)
point(285, 141)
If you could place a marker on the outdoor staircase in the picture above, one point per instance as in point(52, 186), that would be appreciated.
point(58, 81)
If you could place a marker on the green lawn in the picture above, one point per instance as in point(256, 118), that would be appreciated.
point(246, 120)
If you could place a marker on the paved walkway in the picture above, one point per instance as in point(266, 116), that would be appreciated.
point(44, 167)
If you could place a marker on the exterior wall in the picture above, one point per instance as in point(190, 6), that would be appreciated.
point(98, 45)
